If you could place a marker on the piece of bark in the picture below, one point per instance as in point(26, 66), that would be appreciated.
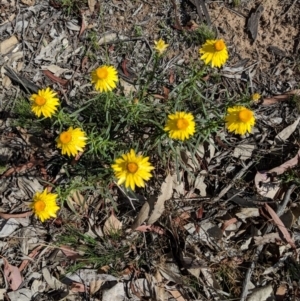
point(252, 24)
point(277, 51)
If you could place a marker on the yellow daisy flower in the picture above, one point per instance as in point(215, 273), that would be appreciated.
point(180, 125)
point(256, 97)
point(71, 141)
point(239, 120)
point(44, 205)
point(132, 169)
point(105, 78)
point(160, 46)
point(44, 103)
point(214, 52)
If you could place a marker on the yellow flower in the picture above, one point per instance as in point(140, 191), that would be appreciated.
point(71, 141)
point(132, 169)
point(239, 120)
point(105, 78)
point(44, 103)
point(44, 205)
point(214, 52)
point(160, 46)
point(256, 97)
point(180, 125)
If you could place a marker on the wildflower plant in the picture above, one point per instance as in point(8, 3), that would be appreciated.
point(128, 142)
point(126, 138)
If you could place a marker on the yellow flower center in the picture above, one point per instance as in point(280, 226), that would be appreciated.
point(132, 167)
point(245, 115)
point(65, 137)
point(219, 45)
point(39, 206)
point(40, 101)
point(182, 124)
point(102, 73)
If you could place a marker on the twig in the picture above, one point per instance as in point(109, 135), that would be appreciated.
point(288, 9)
point(128, 197)
point(18, 14)
point(228, 187)
point(279, 212)
point(285, 201)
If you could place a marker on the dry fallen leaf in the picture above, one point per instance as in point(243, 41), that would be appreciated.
point(151, 228)
point(55, 79)
point(243, 151)
point(76, 201)
point(32, 255)
point(279, 98)
point(143, 213)
point(84, 24)
point(28, 2)
point(15, 215)
point(52, 281)
point(71, 254)
point(159, 286)
point(228, 223)
point(261, 293)
point(23, 294)
point(56, 70)
point(247, 212)
point(166, 193)
point(12, 275)
point(115, 293)
point(8, 45)
point(266, 239)
point(286, 132)
point(280, 226)
point(281, 291)
point(177, 295)
point(127, 88)
point(92, 5)
point(112, 225)
point(77, 287)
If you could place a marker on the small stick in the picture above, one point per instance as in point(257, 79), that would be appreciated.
point(227, 188)
point(128, 197)
point(286, 199)
point(288, 9)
